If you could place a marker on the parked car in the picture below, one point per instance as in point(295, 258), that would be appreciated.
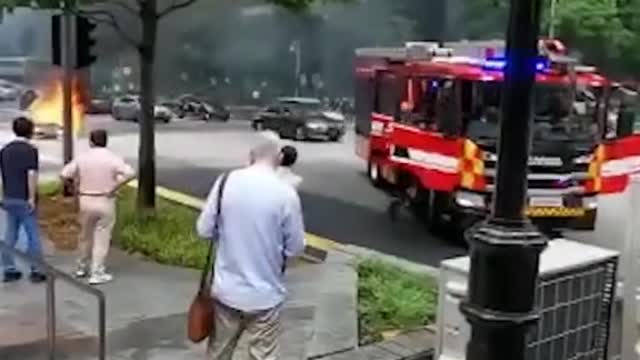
point(301, 119)
point(175, 107)
point(9, 91)
point(128, 108)
point(99, 105)
point(195, 107)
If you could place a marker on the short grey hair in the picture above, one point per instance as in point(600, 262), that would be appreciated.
point(266, 148)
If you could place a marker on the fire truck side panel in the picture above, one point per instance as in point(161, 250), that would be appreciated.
point(621, 159)
point(427, 155)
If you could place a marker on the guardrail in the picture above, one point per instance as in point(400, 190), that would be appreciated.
point(52, 275)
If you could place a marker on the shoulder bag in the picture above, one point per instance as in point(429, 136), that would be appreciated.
point(201, 316)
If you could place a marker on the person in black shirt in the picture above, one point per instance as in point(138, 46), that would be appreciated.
point(19, 166)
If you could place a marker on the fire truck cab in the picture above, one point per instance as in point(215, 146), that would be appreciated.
point(427, 121)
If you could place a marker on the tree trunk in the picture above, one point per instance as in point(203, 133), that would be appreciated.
point(146, 151)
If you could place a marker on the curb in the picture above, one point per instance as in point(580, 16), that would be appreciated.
point(316, 248)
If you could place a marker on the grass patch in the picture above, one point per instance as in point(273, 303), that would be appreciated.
point(390, 299)
point(167, 237)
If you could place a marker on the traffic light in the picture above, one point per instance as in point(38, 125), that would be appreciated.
point(84, 42)
point(56, 41)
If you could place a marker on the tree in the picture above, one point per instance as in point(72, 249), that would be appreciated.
point(148, 14)
point(606, 33)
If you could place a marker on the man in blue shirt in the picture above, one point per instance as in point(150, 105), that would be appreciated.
point(19, 166)
point(260, 227)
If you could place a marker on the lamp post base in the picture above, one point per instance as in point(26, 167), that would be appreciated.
point(501, 295)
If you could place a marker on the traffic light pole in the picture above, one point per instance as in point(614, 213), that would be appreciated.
point(67, 83)
point(505, 249)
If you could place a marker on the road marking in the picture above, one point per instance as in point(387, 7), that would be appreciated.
point(312, 240)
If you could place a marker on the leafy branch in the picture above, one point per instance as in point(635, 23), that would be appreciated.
point(177, 5)
point(108, 18)
point(125, 6)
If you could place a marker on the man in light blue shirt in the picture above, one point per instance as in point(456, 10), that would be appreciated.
point(260, 226)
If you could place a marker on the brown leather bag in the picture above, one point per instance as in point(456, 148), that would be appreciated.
point(200, 320)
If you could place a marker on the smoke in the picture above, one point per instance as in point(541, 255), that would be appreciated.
point(25, 33)
point(229, 48)
point(252, 44)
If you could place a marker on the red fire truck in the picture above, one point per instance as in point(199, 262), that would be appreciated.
point(427, 125)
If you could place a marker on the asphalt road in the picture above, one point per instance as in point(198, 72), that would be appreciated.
point(338, 201)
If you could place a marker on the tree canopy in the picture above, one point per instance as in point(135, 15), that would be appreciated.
point(605, 33)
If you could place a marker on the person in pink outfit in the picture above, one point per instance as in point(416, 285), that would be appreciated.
point(98, 174)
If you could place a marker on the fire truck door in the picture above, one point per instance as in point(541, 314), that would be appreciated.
point(388, 94)
point(628, 120)
point(364, 104)
point(448, 117)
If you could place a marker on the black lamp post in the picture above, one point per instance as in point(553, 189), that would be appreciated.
point(505, 249)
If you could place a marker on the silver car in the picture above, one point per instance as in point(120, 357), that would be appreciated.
point(8, 91)
point(128, 108)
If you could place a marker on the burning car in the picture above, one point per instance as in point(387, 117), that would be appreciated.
point(45, 106)
point(50, 131)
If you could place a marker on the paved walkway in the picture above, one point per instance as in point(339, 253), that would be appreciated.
point(146, 312)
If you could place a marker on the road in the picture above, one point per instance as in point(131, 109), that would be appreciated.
point(338, 201)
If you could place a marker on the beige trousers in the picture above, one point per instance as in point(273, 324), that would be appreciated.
point(97, 218)
point(262, 328)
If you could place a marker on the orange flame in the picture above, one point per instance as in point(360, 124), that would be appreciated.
point(47, 108)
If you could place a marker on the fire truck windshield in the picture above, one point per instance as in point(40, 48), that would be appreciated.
point(558, 112)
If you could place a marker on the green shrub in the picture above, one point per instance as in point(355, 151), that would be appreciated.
point(49, 188)
point(168, 236)
point(390, 298)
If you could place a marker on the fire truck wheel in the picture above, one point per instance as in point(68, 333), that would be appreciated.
point(432, 210)
point(460, 225)
point(375, 174)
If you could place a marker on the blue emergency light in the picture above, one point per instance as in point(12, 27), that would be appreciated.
point(499, 64)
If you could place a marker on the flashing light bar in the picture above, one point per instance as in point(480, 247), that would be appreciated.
point(499, 64)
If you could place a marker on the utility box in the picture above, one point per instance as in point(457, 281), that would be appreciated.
point(576, 290)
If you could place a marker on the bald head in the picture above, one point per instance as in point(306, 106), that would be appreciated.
point(266, 150)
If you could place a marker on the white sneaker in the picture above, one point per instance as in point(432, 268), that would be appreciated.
point(100, 278)
point(81, 271)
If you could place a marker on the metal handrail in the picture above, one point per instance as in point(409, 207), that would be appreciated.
point(52, 275)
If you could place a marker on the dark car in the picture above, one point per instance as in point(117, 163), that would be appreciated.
point(174, 106)
point(301, 119)
point(195, 107)
point(99, 105)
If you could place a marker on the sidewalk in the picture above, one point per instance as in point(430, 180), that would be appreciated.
point(146, 312)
